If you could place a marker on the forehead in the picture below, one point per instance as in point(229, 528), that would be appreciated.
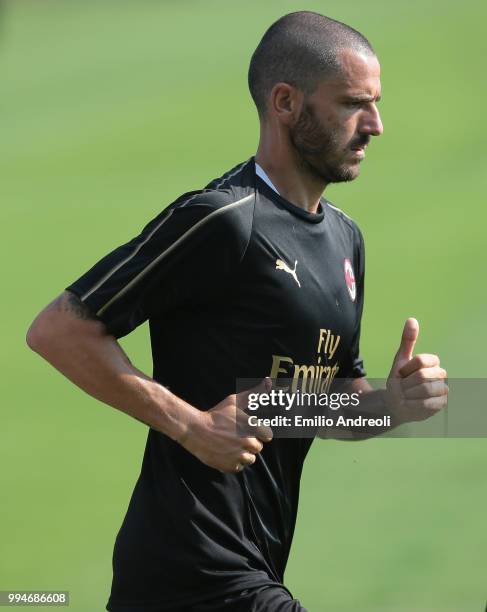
point(360, 73)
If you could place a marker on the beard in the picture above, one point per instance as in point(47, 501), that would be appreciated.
point(318, 151)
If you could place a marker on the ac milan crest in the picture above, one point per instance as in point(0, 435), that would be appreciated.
point(350, 279)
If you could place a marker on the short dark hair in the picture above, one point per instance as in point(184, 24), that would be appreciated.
point(301, 49)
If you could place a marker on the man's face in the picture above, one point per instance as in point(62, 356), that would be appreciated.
point(338, 119)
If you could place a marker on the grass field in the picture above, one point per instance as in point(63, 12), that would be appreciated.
point(109, 110)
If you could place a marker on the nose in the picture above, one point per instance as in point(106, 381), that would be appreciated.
point(372, 123)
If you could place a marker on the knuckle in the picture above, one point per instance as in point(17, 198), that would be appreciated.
point(428, 361)
point(421, 360)
point(247, 458)
point(433, 387)
point(431, 403)
point(254, 446)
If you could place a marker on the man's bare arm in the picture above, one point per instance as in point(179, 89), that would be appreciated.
point(77, 344)
point(67, 335)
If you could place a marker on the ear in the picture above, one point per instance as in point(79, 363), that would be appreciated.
point(286, 102)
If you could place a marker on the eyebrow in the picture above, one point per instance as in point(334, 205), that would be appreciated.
point(364, 98)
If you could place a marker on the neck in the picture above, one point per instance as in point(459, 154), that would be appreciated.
point(294, 182)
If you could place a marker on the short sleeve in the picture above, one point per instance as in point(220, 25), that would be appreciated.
point(354, 367)
point(185, 255)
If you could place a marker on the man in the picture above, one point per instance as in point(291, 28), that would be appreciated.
point(241, 279)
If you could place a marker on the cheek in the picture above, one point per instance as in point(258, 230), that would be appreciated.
point(341, 123)
point(347, 129)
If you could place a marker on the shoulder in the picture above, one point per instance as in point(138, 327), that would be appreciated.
point(217, 209)
point(233, 189)
point(215, 201)
point(226, 202)
point(220, 215)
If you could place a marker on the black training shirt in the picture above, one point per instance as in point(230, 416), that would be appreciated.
point(236, 282)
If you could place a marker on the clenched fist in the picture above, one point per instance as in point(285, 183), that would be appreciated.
point(214, 436)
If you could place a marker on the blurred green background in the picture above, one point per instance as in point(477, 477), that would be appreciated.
point(108, 111)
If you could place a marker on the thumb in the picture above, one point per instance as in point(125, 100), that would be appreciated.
point(264, 386)
point(261, 432)
point(406, 348)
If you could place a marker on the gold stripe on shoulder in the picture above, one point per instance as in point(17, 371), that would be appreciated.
point(171, 248)
point(127, 259)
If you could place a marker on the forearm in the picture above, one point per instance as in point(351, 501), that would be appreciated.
point(373, 405)
point(103, 370)
point(79, 347)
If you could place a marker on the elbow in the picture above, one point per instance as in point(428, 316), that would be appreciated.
point(56, 330)
point(53, 333)
point(36, 335)
point(43, 332)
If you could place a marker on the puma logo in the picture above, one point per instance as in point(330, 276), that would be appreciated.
point(282, 265)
